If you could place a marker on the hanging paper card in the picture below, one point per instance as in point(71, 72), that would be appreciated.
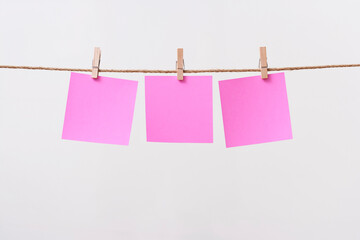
point(99, 110)
point(255, 110)
point(179, 111)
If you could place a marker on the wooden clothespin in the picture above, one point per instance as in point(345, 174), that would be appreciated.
point(263, 63)
point(180, 64)
point(96, 63)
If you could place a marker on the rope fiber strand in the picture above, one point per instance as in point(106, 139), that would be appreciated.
point(174, 71)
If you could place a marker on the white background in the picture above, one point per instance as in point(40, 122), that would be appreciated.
point(306, 188)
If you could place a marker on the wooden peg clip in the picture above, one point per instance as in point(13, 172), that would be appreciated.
point(180, 64)
point(263, 63)
point(96, 63)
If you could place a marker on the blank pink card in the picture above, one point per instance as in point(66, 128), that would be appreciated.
point(255, 110)
point(179, 110)
point(99, 110)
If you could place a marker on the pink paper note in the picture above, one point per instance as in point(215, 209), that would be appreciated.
point(99, 110)
point(255, 110)
point(179, 111)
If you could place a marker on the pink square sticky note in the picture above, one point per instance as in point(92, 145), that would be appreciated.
point(255, 110)
point(99, 110)
point(179, 110)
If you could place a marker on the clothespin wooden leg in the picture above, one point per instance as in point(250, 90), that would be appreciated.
point(180, 64)
point(263, 63)
point(96, 63)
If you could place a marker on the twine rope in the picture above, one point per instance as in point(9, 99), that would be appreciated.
point(174, 71)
